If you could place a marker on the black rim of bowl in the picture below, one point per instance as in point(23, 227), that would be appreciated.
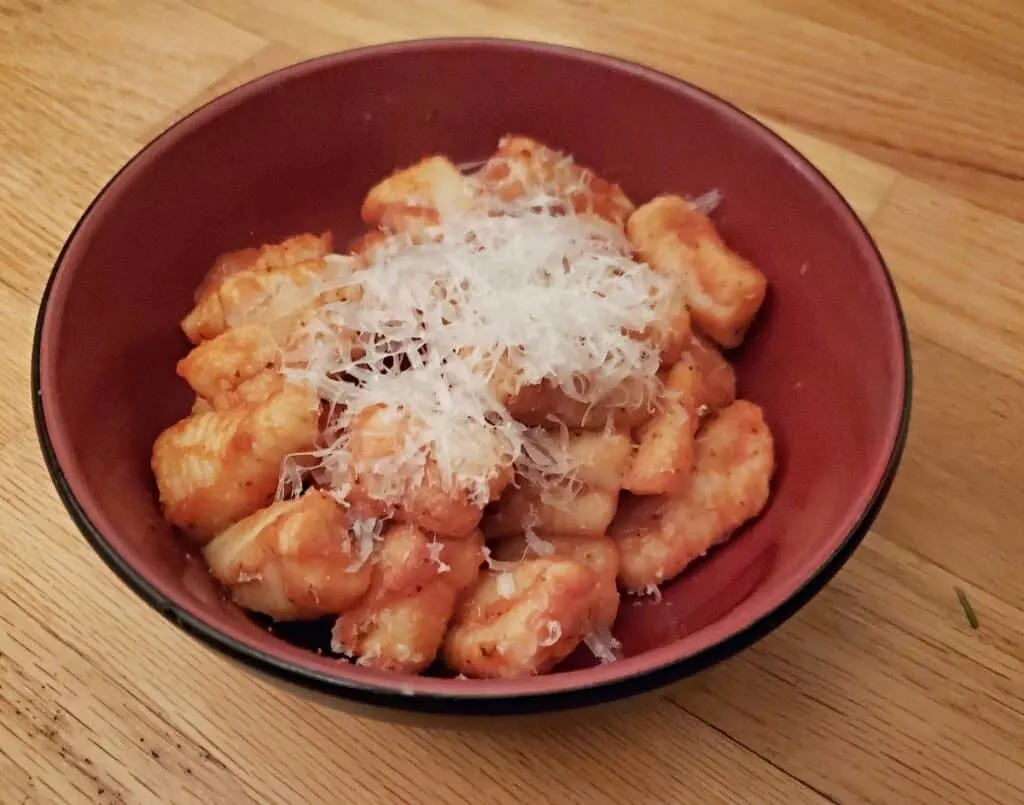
point(392, 698)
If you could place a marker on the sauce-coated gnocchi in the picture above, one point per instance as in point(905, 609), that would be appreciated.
point(464, 440)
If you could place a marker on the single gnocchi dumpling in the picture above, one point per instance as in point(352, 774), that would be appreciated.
point(246, 365)
point(525, 167)
point(252, 297)
point(215, 369)
point(664, 453)
point(724, 291)
point(702, 378)
point(524, 621)
point(600, 554)
point(214, 468)
point(581, 505)
point(253, 390)
point(417, 197)
point(256, 283)
point(700, 383)
point(417, 579)
point(294, 560)
point(658, 536)
point(269, 257)
point(379, 444)
point(402, 636)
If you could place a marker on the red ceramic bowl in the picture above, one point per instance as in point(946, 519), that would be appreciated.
point(295, 151)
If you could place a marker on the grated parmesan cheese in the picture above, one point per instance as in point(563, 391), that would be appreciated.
point(435, 549)
point(366, 533)
point(506, 585)
point(708, 202)
point(603, 645)
point(552, 634)
point(527, 291)
point(536, 545)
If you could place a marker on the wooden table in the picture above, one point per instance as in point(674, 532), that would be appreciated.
point(878, 692)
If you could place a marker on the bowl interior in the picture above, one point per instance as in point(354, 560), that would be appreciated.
point(296, 151)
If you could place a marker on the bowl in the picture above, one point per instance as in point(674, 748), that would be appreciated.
point(295, 151)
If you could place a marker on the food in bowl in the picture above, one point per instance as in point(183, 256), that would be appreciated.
point(462, 437)
point(829, 359)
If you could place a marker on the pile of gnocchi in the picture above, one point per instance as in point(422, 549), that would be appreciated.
point(316, 488)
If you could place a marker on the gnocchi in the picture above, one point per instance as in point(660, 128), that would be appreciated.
point(524, 621)
point(216, 467)
point(463, 440)
point(293, 560)
point(417, 196)
point(658, 536)
point(417, 580)
point(600, 554)
point(723, 290)
point(522, 167)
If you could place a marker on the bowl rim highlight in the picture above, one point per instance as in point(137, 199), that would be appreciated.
point(564, 691)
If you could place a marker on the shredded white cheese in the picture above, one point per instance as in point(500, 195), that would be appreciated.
point(436, 548)
point(431, 336)
point(366, 533)
point(652, 591)
point(552, 634)
point(506, 585)
point(603, 645)
point(536, 545)
point(708, 202)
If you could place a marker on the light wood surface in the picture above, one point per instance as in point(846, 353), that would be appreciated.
point(877, 692)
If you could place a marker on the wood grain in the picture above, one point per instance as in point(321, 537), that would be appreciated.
point(45, 147)
point(878, 692)
point(265, 60)
point(957, 498)
point(964, 290)
point(812, 75)
point(862, 182)
point(87, 78)
point(927, 31)
point(927, 709)
point(18, 317)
